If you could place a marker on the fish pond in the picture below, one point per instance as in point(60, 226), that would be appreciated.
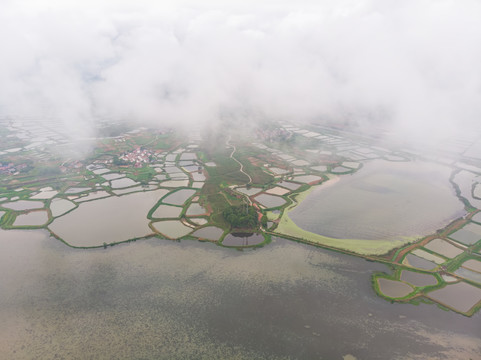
point(33, 218)
point(209, 232)
point(172, 229)
point(418, 279)
point(270, 201)
point(60, 206)
point(468, 234)
point(167, 211)
point(178, 197)
point(460, 296)
point(444, 248)
point(195, 209)
point(23, 205)
point(393, 288)
point(109, 220)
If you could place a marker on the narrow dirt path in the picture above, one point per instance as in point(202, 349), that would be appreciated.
point(241, 166)
point(237, 161)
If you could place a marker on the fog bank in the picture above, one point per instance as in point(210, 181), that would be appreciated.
point(410, 66)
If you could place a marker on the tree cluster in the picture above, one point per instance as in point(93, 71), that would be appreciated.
point(241, 216)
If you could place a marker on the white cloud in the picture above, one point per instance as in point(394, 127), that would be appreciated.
point(412, 64)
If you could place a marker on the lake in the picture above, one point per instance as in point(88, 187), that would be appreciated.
point(157, 299)
point(383, 200)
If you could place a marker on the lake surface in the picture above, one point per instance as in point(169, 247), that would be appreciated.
point(383, 200)
point(157, 299)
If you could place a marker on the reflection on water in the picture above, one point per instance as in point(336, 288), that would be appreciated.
point(243, 239)
point(161, 299)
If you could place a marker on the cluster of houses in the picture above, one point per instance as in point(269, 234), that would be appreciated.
point(138, 157)
point(11, 168)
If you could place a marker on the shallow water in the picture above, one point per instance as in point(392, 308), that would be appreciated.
point(44, 195)
point(383, 200)
point(270, 201)
point(249, 192)
point(240, 240)
point(277, 191)
point(23, 205)
point(472, 264)
point(477, 217)
point(419, 263)
point(198, 177)
point(107, 220)
point(178, 197)
point(198, 221)
point(418, 279)
point(93, 196)
point(60, 206)
point(174, 183)
point(173, 229)
point(444, 248)
point(157, 299)
point(393, 288)
point(469, 275)
point(466, 235)
point(289, 185)
point(209, 233)
point(460, 296)
point(167, 211)
point(113, 176)
point(123, 183)
point(195, 209)
point(33, 218)
point(307, 178)
point(76, 190)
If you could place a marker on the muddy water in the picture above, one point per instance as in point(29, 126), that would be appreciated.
point(107, 220)
point(383, 200)
point(242, 239)
point(157, 299)
point(24, 205)
point(34, 218)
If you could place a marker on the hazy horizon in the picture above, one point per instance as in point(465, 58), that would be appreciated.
point(409, 68)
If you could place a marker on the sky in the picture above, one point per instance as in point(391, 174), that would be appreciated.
point(410, 66)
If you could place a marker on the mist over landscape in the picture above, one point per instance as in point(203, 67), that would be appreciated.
point(410, 67)
point(240, 179)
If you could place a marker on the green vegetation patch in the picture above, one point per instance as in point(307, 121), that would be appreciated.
point(241, 216)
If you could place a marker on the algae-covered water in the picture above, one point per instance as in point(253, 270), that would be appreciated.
point(158, 299)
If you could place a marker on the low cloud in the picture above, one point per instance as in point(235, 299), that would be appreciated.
point(410, 66)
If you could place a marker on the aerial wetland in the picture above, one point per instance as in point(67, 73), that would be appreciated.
point(407, 216)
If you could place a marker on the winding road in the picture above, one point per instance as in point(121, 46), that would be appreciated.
point(237, 161)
